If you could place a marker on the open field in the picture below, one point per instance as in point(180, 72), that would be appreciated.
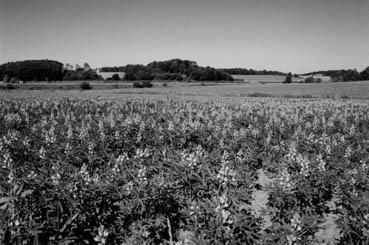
point(357, 90)
point(68, 85)
point(276, 78)
point(130, 168)
point(265, 78)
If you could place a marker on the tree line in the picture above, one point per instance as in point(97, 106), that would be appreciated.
point(175, 69)
point(32, 70)
point(49, 70)
point(344, 75)
point(44, 70)
point(244, 71)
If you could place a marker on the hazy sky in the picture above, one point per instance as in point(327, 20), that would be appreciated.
point(286, 35)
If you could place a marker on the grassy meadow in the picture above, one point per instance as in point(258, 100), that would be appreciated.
point(356, 90)
point(265, 78)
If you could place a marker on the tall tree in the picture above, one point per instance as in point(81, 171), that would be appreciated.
point(86, 67)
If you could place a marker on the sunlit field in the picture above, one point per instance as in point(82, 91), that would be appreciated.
point(264, 78)
point(210, 166)
point(355, 90)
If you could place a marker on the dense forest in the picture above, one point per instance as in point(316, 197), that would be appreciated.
point(174, 69)
point(44, 70)
point(244, 71)
point(32, 70)
point(166, 65)
point(113, 69)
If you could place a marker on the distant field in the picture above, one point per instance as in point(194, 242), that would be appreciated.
point(69, 85)
point(264, 78)
point(326, 90)
point(275, 78)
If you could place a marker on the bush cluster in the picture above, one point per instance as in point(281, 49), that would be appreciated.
point(142, 84)
point(312, 79)
point(85, 86)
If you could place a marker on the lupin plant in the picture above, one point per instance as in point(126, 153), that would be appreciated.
point(171, 170)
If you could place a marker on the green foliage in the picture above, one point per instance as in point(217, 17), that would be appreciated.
point(168, 76)
point(80, 75)
point(33, 70)
point(344, 75)
point(142, 84)
point(176, 70)
point(182, 171)
point(6, 78)
point(8, 86)
point(311, 79)
point(85, 86)
point(113, 69)
point(244, 71)
point(115, 77)
point(364, 75)
point(288, 78)
point(209, 74)
point(138, 72)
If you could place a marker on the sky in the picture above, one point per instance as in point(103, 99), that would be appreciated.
point(285, 35)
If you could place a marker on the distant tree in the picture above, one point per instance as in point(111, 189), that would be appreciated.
point(145, 84)
point(351, 75)
point(86, 67)
point(288, 78)
point(115, 77)
point(337, 79)
point(364, 75)
point(78, 67)
point(14, 80)
point(244, 71)
point(309, 79)
point(113, 69)
point(85, 86)
point(67, 67)
point(80, 74)
point(6, 78)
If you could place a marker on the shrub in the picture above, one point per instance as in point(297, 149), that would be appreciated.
point(257, 94)
point(8, 86)
point(81, 75)
point(6, 78)
point(145, 84)
point(309, 79)
point(337, 79)
point(85, 86)
point(288, 78)
point(115, 77)
point(14, 80)
point(138, 85)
